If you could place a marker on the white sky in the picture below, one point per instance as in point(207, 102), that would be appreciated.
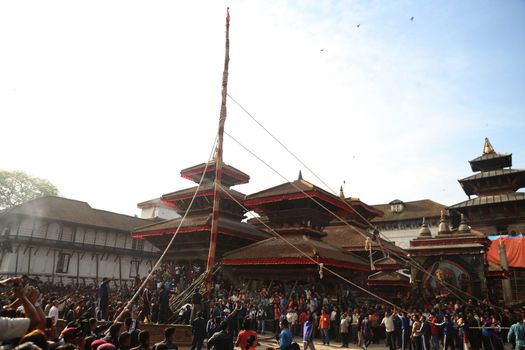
point(109, 100)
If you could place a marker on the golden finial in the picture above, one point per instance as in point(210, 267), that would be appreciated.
point(341, 192)
point(487, 147)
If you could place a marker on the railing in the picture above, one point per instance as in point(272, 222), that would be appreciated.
point(80, 246)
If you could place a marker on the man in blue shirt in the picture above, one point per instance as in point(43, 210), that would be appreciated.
point(448, 333)
point(285, 338)
point(308, 334)
point(406, 329)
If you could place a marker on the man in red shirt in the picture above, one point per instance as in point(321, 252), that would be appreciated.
point(324, 327)
point(303, 317)
point(434, 332)
point(245, 334)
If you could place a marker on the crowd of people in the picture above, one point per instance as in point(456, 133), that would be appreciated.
point(100, 318)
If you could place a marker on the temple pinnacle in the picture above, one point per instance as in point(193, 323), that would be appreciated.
point(424, 231)
point(341, 192)
point(487, 147)
point(463, 226)
point(443, 227)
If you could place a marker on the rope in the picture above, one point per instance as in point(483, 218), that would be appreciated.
point(137, 293)
point(320, 265)
point(177, 302)
point(411, 261)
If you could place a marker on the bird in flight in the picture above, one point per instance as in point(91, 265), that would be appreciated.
point(358, 25)
point(412, 18)
point(322, 49)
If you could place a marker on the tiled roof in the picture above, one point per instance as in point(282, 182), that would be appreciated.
point(232, 176)
point(493, 173)
point(388, 276)
point(491, 156)
point(205, 187)
point(485, 200)
point(275, 248)
point(170, 226)
point(491, 161)
point(413, 210)
point(288, 188)
point(353, 238)
point(74, 211)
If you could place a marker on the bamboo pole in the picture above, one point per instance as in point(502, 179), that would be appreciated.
point(218, 161)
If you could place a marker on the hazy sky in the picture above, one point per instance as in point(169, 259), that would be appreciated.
point(109, 100)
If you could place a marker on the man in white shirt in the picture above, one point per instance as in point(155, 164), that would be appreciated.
point(388, 322)
point(53, 312)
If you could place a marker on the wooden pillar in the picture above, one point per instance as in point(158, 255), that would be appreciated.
point(29, 260)
point(33, 228)
point(78, 266)
point(47, 229)
point(505, 283)
point(16, 261)
point(53, 267)
point(60, 231)
point(120, 271)
point(96, 268)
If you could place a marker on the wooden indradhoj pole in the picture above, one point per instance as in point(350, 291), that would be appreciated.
point(218, 160)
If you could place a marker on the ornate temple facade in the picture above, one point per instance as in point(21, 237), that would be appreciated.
point(452, 262)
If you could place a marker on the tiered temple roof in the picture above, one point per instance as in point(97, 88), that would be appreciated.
point(289, 210)
point(192, 241)
point(497, 203)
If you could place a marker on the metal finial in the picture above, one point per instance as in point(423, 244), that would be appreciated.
point(424, 231)
point(443, 227)
point(487, 147)
point(463, 226)
point(300, 177)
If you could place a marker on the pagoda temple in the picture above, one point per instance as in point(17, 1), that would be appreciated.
point(192, 241)
point(498, 208)
point(290, 211)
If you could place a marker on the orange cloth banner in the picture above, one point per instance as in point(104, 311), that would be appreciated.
point(515, 248)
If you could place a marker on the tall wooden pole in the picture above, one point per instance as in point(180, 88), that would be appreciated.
point(218, 160)
point(505, 283)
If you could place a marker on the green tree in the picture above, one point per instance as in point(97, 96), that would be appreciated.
point(16, 187)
